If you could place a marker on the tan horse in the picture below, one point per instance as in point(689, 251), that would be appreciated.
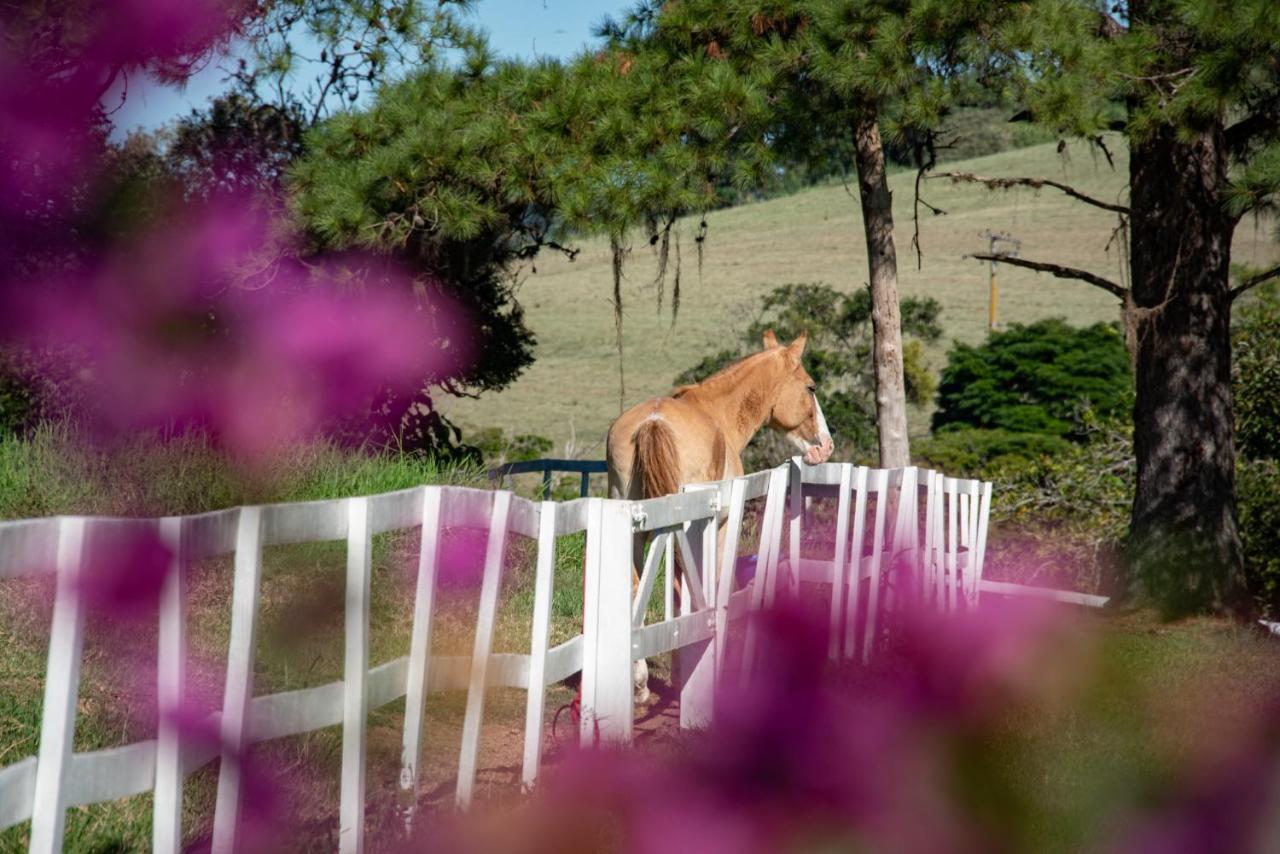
point(698, 433)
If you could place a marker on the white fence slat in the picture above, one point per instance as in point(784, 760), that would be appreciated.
point(953, 546)
point(659, 638)
point(841, 552)
point(563, 661)
point(239, 683)
point(978, 554)
point(62, 684)
point(355, 676)
point(881, 481)
point(543, 590)
point(494, 551)
point(644, 590)
point(607, 708)
point(28, 546)
point(860, 491)
point(934, 547)
point(166, 832)
point(766, 561)
point(728, 568)
point(695, 664)
point(669, 578)
point(795, 512)
point(1002, 588)
point(670, 510)
point(691, 588)
point(17, 788)
point(419, 650)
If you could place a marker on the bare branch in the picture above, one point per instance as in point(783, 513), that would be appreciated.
point(1037, 183)
point(1059, 271)
point(1253, 281)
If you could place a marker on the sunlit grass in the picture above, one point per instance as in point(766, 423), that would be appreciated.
point(571, 390)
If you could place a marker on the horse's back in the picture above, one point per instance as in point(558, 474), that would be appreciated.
point(699, 444)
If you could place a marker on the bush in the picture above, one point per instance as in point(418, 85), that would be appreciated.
point(497, 448)
point(1256, 375)
point(1036, 379)
point(967, 449)
point(1258, 500)
point(1059, 509)
point(35, 387)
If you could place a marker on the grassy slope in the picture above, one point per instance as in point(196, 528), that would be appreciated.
point(813, 236)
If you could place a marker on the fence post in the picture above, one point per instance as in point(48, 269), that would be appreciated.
point(855, 562)
point(979, 553)
point(543, 588)
point(695, 664)
point(607, 705)
point(355, 676)
point(62, 684)
point(841, 552)
point(239, 684)
point(419, 652)
point(728, 568)
point(495, 549)
point(877, 555)
point(795, 509)
point(171, 666)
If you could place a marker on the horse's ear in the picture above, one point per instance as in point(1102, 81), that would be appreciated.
point(770, 340)
point(796, 347)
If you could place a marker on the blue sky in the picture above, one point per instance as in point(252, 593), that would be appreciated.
point(517, 28)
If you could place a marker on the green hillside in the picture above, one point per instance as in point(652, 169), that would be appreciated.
point(571, 391)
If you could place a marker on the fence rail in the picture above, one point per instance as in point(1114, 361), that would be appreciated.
point(547, 468)
point(934, 525)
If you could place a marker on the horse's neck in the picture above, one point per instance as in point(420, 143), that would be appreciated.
point(740, 404)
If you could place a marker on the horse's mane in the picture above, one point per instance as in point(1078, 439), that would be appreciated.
point(723, 375)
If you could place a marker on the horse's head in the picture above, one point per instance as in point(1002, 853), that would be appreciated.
point(795, 408)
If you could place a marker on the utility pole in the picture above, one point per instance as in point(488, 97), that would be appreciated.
point(995, 239)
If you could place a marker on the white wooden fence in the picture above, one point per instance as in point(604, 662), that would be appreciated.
point(933, 525)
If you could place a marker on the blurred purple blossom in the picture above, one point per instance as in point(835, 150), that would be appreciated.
point(208, 321)
point(123, 573)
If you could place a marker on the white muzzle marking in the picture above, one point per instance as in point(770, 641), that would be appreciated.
point(806, 446)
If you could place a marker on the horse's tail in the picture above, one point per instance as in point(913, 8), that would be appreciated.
point(657, 462)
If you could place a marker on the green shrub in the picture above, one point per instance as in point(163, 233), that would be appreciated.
point(496, 447)
point(35, 387)
point(1059, 509)
point(1256, 379)
point(1036, 378)
point(963, 449)
point(1258, 500)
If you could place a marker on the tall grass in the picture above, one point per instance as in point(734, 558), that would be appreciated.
point(59, 470)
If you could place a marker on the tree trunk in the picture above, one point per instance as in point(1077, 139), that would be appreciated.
point(1184, 545)
point(882, 267)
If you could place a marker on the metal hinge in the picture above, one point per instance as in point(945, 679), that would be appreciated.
point(638, 517)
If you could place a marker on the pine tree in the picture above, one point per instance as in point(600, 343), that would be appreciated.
point(1194, 87)
point(838, 71)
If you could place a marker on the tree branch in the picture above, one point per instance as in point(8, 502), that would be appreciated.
point(1059, 271)
point(1252, 281)
point(1037, 183)
point(1261, 124)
